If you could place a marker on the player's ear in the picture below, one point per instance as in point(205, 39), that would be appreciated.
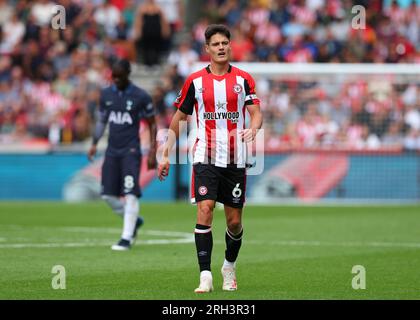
point(206, 46)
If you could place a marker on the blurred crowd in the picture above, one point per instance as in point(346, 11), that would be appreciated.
point(331, 114)
point(317, 30)
point(50, 78)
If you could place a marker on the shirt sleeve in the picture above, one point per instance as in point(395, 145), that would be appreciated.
point(101, 119)
point(103, 111)
point(186, 98)
point(148, 109)
point(250, 94)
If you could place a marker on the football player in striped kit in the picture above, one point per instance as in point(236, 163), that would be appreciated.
point(219, 94)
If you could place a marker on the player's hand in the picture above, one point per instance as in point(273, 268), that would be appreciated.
point(248, 135)
point(151, 160)
point(91, 153)
point(163, 169)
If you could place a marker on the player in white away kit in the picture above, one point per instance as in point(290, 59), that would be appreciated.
point(219, 95)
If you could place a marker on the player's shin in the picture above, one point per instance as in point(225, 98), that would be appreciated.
point(204, 246)
point(131, 210)
point(233, 244)
point(116, 204)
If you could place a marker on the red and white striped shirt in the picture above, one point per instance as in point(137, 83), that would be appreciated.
point(219, 104)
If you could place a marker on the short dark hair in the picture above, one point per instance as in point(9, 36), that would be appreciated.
point(216, 28)
point(123, 64)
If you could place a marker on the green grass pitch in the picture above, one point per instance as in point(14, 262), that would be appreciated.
point(288, 252)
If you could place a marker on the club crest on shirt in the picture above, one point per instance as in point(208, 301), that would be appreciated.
point(237, 88)
point(201, 90)
point(129, 105)
point(202, 190)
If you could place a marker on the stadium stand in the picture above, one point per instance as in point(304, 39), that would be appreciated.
point(50, 79)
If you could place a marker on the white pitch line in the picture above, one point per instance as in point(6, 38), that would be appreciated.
point(309, 243)
point(168, 233)
point(90, 244)
point(118, 230)
point(65, 229)
point(176, 238)
point(107, 230)
point(90, 229)
point(51, 245)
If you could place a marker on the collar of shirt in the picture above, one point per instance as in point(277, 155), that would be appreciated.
point(127, 90)
point(228, 71)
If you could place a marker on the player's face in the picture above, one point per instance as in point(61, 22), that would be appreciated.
point(120, 78)
point(219, 48)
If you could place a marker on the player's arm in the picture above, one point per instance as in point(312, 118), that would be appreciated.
point(100, 127)
point(151, 161)
point(173, 133)
point(255, 114)
point(185, 104)
point(253, 106)
point(147, 112)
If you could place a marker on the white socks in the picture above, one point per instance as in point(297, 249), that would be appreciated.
point(206, 274)
point(131, 212)
point(228, 264)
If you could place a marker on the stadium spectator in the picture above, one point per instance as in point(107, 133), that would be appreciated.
point(158, 97)
point(198, 34)
point(183, 58)
point(128, 13)
point(42, 12)
point(108, 16)
point(412, 117)
point(412, 140)
point(73, 11)
point(242, 48)
point(393, 137)
point(174, 12)
point(6, 12)
point(150, 31)
point(231, 11)
point(13, 31)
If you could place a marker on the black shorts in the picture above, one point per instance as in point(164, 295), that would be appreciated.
point(224, 185)
point(120, 175)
